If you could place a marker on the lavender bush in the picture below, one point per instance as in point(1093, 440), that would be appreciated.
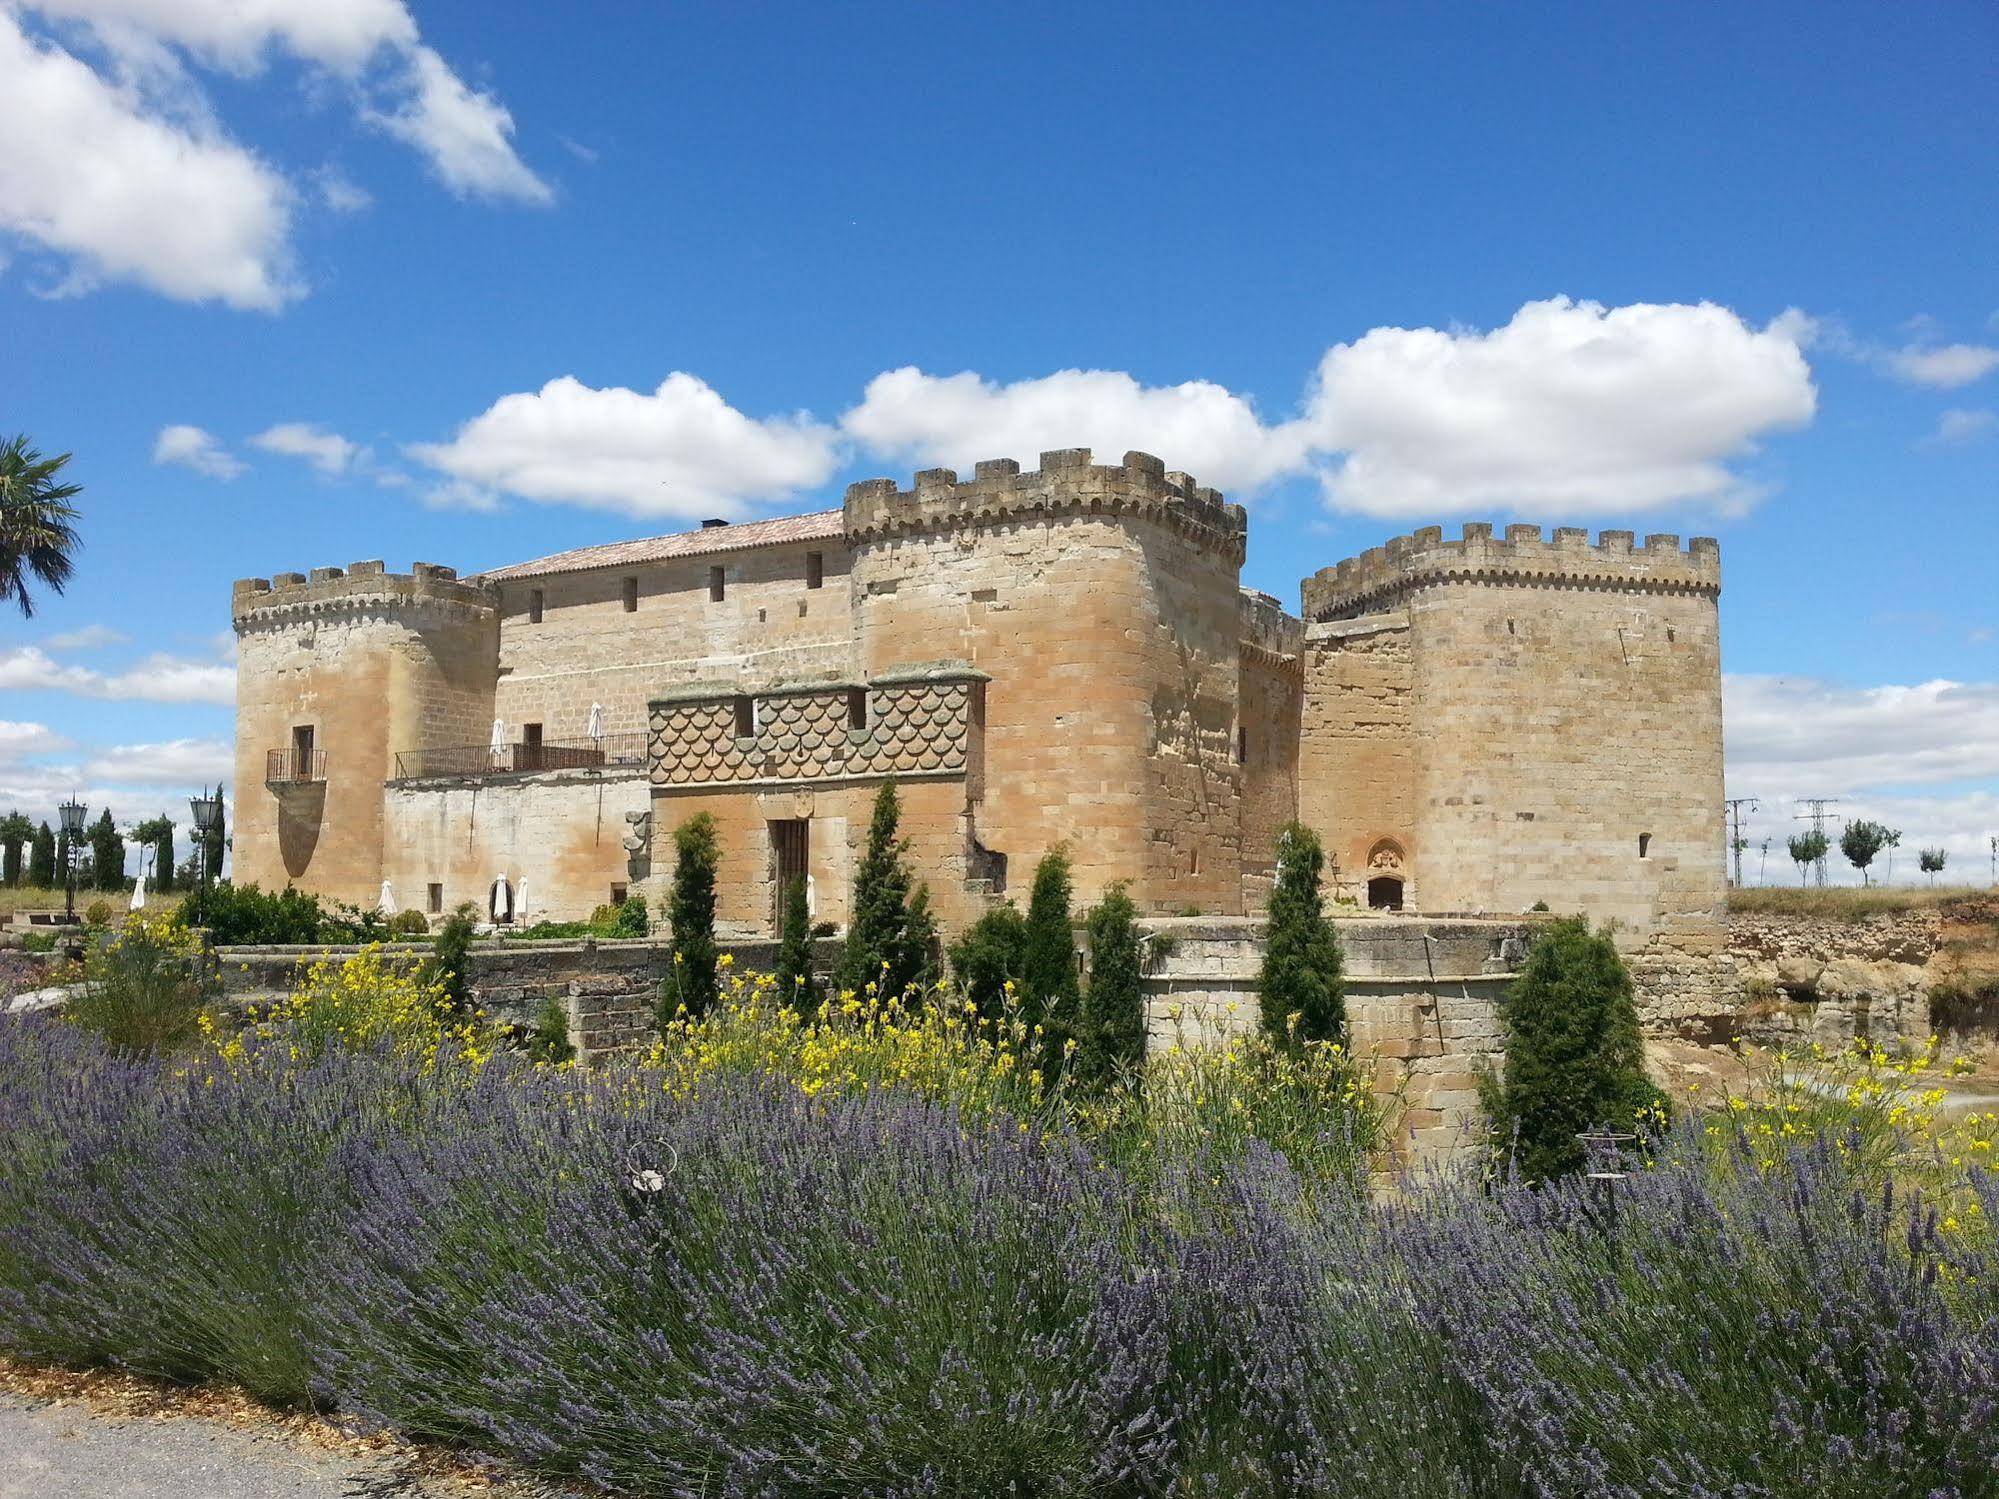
point(755, 1292)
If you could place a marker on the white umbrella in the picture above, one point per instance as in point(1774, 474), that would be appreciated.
point(499, 736)
point(139, 893)
point(596, 729)
point(387, 904)
point(521, 900)
point(501, 902)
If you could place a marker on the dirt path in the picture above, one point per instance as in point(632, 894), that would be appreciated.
point(107, 1436)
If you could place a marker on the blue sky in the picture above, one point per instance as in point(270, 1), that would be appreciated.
point(293, 284)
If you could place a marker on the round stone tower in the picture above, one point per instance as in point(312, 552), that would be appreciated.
point(339, 675)
point(1101, 602)
point(1533, 720)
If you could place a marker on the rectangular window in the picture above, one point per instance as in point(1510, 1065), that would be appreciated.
point(534, 606)
point(437, 900)
point(631, 595)
point(717, 588)
point(1241, 745)
point(857, 707)
point(746, 718)
point(815, 569)
point(618, 893)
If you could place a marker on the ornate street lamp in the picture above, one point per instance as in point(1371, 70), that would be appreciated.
point(72, 813)
point(207, 811)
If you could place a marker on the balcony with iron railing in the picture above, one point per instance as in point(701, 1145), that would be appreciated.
point(294, 767)
point(607, 751)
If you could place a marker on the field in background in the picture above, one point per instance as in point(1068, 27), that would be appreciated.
point(29, 898)
point(1851, 903)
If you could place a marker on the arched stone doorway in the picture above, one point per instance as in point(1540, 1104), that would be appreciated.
point(1386, 876)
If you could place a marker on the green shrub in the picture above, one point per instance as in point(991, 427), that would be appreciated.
point(630, 920)
point(146, 990)
point(797, 985)
point(97, 913)
point(234, 915)
point(990, 954)
point(691, 920)
point(891, 936)
point(409, 924)
point(552, 931)
point(1049, 993)
point(449, 951)
point(39, 942)
point(1112, 1044)
point(548, 1040)
point(1301, 988)
point(1575, 1061)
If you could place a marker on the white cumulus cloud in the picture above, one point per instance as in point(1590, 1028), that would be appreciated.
point(123, 191)
point(18, 739)
point(159, 678)
point(191, 447)
point(1570, 406)
point(1958, 425)
point(86, 638)
point(172, 762)
point(680, 451)
point(1198, 426)
point(466, 134)
point(326, 451)
point(1945, 367)
point(112, 158)
point(1799, 736)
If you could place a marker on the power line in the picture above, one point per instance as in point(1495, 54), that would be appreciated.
point(1736, 844)
point(1817, 818)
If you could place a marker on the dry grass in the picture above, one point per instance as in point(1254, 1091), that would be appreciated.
point(29, 898)
point(1847, 903)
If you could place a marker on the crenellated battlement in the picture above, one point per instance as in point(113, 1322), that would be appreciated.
point(1267, 630)
point(1066, 483)
point(359, 587)
point(1379, 577)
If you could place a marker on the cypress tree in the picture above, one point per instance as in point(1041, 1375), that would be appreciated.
point(157, 833)
point(1048, 989)
point(1575, 1060)
point(691, 920)
point(15, 831)
point(797, 985)
point(1301, 973)
point(991, 952)
point(42, 859)
point(107, 853)
point(1113, 1039)
point(891, 935)
point(66, 862)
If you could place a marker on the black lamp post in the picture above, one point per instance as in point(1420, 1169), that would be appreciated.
point(72, 813)
point(206, 810)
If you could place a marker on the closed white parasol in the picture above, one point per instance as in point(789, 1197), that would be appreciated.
point(501, 902)
point(596, 729)
point(387, 904)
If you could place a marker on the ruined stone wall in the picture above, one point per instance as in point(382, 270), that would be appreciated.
point(1101, 602)
point(563, 832)
point(1358, 753)
point(587, 648)
point(373, 662)
point(1270, 700)
point(1567, 699)
point(1423, 998)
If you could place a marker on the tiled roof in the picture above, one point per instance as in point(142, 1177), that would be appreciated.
point(820, 525)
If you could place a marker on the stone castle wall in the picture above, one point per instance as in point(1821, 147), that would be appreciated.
point(373, 662)
point(1101, 601)
point(1563, 718)
point(588, 648)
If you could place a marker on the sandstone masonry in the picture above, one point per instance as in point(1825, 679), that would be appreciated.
point(1057, 655)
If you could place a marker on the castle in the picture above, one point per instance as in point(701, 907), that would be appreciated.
point(1061, 656)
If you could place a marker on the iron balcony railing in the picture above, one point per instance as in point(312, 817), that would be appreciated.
point(522, 758)
point(294, 767)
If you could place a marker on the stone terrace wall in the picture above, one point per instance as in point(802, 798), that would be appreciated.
point(1423, 1000)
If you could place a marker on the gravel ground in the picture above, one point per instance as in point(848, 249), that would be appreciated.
point(86, 1448)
